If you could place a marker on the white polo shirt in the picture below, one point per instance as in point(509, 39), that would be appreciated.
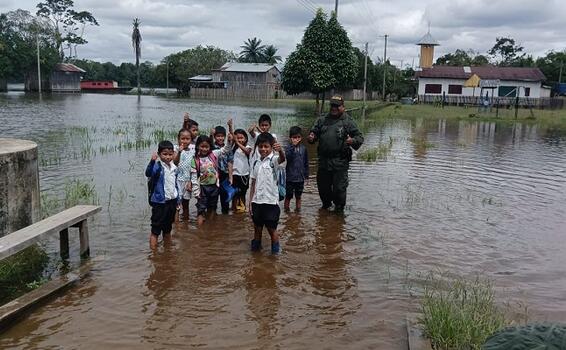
point(169, 183)
point(266, 189)
point(241, 163)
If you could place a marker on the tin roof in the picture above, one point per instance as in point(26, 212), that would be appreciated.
point(428, 40)
point(68, 67)
point(201, 77)
point(246, 67)
point(484, 72)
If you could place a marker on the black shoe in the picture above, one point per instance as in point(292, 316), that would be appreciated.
point(326, 205)
point(339, 209)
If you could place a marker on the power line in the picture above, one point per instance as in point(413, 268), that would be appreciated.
point(312, 4)
point(304, 4)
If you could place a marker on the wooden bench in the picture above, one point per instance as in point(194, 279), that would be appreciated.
point(59, 223)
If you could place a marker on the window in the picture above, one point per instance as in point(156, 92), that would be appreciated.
point(433, 88)
point(527, 92)
point(455, 89)
point(507, 91)
point(105, 83)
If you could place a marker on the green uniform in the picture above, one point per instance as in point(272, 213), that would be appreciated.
point(334, 157)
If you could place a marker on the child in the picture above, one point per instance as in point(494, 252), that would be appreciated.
point(205, 176)
point(263, 125)
point(224, 164)
point(183, 157)
point(164, 195)
point(240, 169)
point(264, 194)
point(297, 169)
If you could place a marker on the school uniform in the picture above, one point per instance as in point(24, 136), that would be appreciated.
point(241, 172)
point(265, 202)
point(297, 170)
point(164, 197)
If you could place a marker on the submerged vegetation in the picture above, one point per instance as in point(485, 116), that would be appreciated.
point(458, 313)
point(381, 152)
point(22, 272)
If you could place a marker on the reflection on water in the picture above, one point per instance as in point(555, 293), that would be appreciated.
point(464, 197)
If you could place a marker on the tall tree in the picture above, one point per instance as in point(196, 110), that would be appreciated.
point(270, 55)
point(252, 51)
point(553, 65)
point(505, 51)
point(136, 43)
point(198, 60)
point(69, 24)
point(462, 58)
point(323, 60)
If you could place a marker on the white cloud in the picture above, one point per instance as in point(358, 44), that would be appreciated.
point(173, 25)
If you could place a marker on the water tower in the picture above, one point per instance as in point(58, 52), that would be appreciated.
point(427, 44)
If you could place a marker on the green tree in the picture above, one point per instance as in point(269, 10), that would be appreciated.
point(19, 33)
point(505, 51)
point(195, 61)
point(552, 65)
point(462, 58)
point(252, 51)
point(136, 43)
point(323, 60)
point(270, 55)
point(69, 24)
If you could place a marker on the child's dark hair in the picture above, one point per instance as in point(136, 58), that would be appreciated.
point(201, 139)
point(264, 118)
point(163, 145)
point(240, 132)
point(192, 123)
point(182, 131)
point(265, 137)
point(295, 131)
point(220, 130)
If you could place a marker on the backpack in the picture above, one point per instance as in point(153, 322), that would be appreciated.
point(279, 176)
point(152, 182)
point(214, 160)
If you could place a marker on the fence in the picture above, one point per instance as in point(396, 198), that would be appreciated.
point(524, 102)
point(266, 91)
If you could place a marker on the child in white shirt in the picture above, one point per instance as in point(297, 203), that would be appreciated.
point(264, 193)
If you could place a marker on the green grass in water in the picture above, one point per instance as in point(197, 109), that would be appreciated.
point(459, 314)
point(22, 272)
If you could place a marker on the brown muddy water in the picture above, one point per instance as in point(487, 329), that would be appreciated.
point(460, 197)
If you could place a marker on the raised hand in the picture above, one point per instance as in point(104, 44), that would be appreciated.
point(154, 156)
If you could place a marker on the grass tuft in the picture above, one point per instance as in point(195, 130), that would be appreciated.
point(459, 314)
point(22, 272)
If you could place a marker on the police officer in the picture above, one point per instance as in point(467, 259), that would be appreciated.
point(337, 134)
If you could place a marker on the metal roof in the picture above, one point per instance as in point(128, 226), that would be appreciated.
point(246, 67)
point(428, 40)
point(484, 72)
point(68, 67)
point(202, 77)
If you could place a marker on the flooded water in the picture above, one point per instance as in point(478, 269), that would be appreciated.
point(461, 197)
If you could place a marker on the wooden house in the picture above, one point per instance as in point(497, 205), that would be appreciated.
point(66, 77)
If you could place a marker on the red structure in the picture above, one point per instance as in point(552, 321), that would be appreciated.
point(99, 85)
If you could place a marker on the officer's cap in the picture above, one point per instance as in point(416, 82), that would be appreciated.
point(336, 100)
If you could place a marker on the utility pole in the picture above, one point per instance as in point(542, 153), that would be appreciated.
point(38, 67)
point(384, 65)
point(167, 93)
point(560, 76)
point(336, 8)
point(365, 82)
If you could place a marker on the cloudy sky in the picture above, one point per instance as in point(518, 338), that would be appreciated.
point(173, 25)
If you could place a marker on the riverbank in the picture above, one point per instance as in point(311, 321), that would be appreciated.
point(548, 117)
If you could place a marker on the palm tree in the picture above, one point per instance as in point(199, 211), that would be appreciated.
point(252, 51)
point(136, 43)
point(270, 55)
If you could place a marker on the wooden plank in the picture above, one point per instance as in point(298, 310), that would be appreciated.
point(11, 311)
point(415, 337)
point(83, 237)
point(21, 239)
point(64, 243)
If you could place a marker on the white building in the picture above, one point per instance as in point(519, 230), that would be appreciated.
point(506, 82)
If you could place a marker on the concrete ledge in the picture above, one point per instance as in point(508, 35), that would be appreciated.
point(12, 311)
point(415, 337)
